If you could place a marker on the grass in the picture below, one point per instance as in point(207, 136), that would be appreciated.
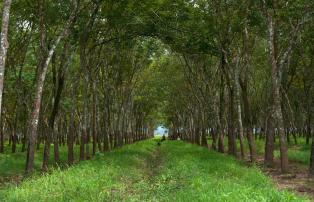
point(299, 153)
point(12, 164)
point(104, 178)
point(175, 171)
point(296, 152)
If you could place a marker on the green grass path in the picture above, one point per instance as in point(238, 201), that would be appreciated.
point(174, 171)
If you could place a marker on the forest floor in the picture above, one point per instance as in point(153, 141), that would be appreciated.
point(144, 171)
point(296, 180)
point(12, 165)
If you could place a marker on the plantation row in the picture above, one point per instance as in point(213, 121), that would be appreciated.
point(80, 78)
point(174, 171)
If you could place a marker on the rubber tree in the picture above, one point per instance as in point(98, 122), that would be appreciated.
point(4, 45)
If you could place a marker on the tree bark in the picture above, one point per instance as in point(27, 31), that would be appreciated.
point(239, 110)
point(94, 118)
point(232, 147)
point(312, 158)
point(41, 75)
point(246, 104)
point(276, 105)
point(221, 132)
point(269, 145)
point(71, 135)
point(4, 45)
point(56, 100)
point(1, 137)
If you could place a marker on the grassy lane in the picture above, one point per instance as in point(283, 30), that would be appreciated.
point(192, 173)
point(105, 178)
point(174, 171)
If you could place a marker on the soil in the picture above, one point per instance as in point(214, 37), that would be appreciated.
point(296, 180)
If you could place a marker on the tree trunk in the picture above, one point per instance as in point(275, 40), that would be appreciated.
point(269, 145)
point(1, 137)
point(238, 102)
point(14, 140)
point(36, 109)
point(221, 133)
point(246, 105)
point(72, 125)
point(214, 137)
point(24, 138)
point(94, 120)
point(248, 122)
point(308, 134)
point(41, 75)
point(232, 147)
point(4, 44)
point(58, 88)
point(312, 159)
point(204, 139)
point(56, 137)
point(276, 105)
point(83, 64)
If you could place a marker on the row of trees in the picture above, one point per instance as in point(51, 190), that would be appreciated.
point(70, 81)
point(105, 72)
point(256, 70)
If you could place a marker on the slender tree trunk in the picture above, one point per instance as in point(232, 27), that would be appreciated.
point(41, 75)
point(72, 126)
point(246, 105)
point(58, 86)
point(248, 123)
point(312, 159)
point(1, 136)
point(36, 109)
point(277, 111)
point(34, 123)
point(106, 127)
point(71, 140)
point(4, 45)
point(14, 140)
point(232, 147)
point(204, 139)
point(221, 132)
point(308, 134)
point(24, 138)
point(99, 127)
point(238, 101)
point(214, 137)
point(56, 138)
point(269, 145)
point(94, 118)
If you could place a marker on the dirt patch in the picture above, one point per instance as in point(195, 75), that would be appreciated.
point(297, 180)
point(10, 180)
point(153, 165)
point(149, 168)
